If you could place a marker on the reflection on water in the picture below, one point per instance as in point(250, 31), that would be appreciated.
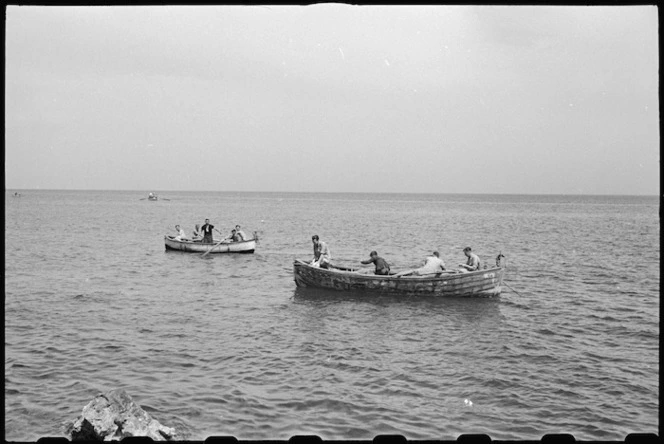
point(417, 309)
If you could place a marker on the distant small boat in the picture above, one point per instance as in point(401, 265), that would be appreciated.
point(485, 282)
point(153, 197)
point(16, 194)
point(191, 246)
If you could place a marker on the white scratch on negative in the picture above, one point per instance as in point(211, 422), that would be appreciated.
point(342, 54)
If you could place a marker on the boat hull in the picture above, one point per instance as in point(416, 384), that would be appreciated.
point(189, 246)
point(484, 283)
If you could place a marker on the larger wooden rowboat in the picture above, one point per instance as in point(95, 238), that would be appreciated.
point(189, 246)
point(486, 282)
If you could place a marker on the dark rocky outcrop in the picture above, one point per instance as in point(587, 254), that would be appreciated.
point(114, 415)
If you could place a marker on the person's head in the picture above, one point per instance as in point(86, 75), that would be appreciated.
point(197, 227)
point(237, 227)
point(177, 227)
point(315, 239)
point(467, 251)
point(373, 254)
point(234, 231)
point(435, 253)
point(207, 221)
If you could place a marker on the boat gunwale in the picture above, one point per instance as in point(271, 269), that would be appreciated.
point(356, 274)
point(192, 242)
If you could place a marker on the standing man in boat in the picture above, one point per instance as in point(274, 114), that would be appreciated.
point(473, 263)
point(207, 232)
point(321, 253)
point(381, 265)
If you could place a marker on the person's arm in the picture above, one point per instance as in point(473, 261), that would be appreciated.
point(474, 264)
point(367, 262)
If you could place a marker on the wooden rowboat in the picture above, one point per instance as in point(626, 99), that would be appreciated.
point(190, 246)
point(486, 282)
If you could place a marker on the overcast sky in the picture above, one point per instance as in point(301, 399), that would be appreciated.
point(333, 98)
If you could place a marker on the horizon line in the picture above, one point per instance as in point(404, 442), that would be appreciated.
point(330, 192)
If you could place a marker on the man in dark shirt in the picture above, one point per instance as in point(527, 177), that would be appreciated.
point(381, 265)
point(207, 232)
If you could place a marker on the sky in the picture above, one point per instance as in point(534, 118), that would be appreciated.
point(333, 97)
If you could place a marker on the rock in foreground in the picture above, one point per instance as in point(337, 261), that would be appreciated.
point(114, 415)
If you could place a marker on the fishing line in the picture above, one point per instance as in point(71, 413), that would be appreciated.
point(512, 288)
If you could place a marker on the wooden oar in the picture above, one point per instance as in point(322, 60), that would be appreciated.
point(213, 247)
point(217, 244)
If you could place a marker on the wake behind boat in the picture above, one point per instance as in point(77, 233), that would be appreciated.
point(485, 282)
point(226, 246)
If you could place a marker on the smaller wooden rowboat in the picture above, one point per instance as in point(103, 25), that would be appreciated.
point(190, 246)
point(485, 282)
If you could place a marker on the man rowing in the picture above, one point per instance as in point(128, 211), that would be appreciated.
point(207, 232)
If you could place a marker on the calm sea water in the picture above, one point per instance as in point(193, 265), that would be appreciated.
point(227, 345)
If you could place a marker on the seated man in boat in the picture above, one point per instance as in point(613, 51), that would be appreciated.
point(381, 265)
point(473, 263)
point(432, 265)
point(197, 235)
point(181, 235)
point(233, 237)
point(322, 254)
point(240, 234)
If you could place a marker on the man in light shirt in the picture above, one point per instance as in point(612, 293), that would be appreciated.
point(322, 254)
point(432, 265)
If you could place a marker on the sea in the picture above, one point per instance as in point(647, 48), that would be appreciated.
point(227, 345)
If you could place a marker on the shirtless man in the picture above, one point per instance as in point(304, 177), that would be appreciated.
point(473, 263)
point(321, 253)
